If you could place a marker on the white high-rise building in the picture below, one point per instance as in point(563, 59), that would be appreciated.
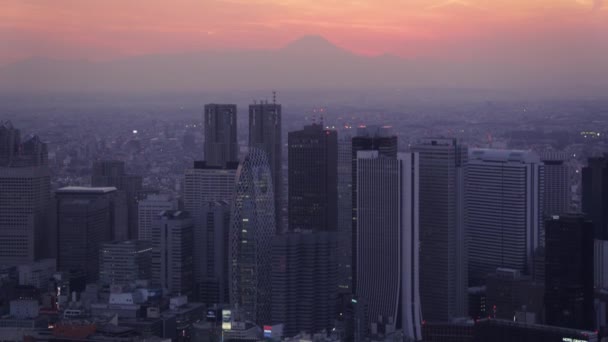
point(387, 242)
point(504, 202)
point(149, 209)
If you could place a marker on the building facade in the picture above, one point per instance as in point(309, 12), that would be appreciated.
point(595, 194)
point(569, 280)
point(504, 204)
point(26, 232)
point(388, 272)
point(265, 133)
point(172, 249)
point(313, 172)
point(124, 262)
point(443, 256)
point(211, 255)
point(112, 173)
point(252, 226)
point(85, 220)
point(304, 282)
point(557, 197)
point(221, 144)
point(372, 138)
point(148, 209)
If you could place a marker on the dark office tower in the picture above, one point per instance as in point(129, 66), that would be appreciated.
point(304, 279)
point(595, 194)
point(443, 266)
point(26, 234)
point(112, 173)
point(211, 255)
point(569, 279)
point(387, 243)
point(313, 172)
point(345, 213)
point(504, 201)
point(85, 220)
point(221, 144)
point(124, 262)
point(172, 247)
point(252, 226)
point(557, 183)
point(204, 184)
point(265, 133)
point(371, 138)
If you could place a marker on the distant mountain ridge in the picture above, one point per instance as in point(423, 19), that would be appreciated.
point(311, 62)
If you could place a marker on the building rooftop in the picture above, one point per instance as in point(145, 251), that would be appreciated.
point(85, 190)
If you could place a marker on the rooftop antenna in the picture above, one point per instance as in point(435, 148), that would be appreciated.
point(274, 97)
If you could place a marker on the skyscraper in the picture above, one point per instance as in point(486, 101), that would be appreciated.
point(345, 214)
point(265, 133)
point(387, 242)
point(124, 262)
point(252, 225)
point(557, 183)
point(569, 288)
point(505, 211)
point(221, 144)
point(112, 173)
point(371, 138)
point(304, 281)
point(595, 194)
point(85, 220)
point(211, 252)
point(172, 248)
point(313, 172)
point(149, 209)
point(204, 187)
point(25, 199)
point(443, 266)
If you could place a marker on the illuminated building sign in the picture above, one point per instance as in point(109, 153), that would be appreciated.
point(267, 331)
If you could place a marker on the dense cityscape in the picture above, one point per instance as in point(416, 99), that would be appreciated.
point(304, 171)
point(128, 221)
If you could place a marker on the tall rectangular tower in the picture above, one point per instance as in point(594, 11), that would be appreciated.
point(85, 220)
point(345, 214)
point(211, 252)
point(505, 211)
point(313, 172)
point(26, 233)
point(595, 194)
point(387, 242)
point(204, 187)
point(172, 248)
point(569, 296)
point(265, 133)
point(371, 138)
point(443, 265)
point(112, 173)
point(557, 183)
point(221, 144)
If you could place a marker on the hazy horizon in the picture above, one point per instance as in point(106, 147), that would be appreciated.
point(276, 44)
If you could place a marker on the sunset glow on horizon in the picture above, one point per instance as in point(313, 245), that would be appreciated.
point(111, 29)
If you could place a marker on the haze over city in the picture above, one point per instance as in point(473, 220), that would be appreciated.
point(232, 44)
point(304, 170)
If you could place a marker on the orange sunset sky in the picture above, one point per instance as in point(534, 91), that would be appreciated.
point(110, 29)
